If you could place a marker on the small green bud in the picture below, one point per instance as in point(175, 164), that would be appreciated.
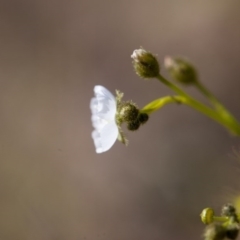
point(143, 118)
point(133, 125)
point(207, 215)
point(145, 64)
point(214, 231)
point(127, 112)
point(232, 231)
point(181, 70)
point(228, 210)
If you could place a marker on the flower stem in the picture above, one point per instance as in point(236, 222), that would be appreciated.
point(218, 106)
point(208, 95)
point(220, 219)
point(223, 117)
point(160, 102)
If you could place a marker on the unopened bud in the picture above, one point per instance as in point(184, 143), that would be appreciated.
point(228, 210)
point(135, 124)
point(127, 112)
point(145, 64)
point(232, 231)
point(215, 232)
point(143, 118)
point(207, 215)
point(181, 70)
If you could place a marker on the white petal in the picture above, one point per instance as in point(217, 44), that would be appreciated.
point(103, 107)
point(104, 138)
point(104, 104)
point(101, 91)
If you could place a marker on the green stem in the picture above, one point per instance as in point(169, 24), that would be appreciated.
point(220, 219)
point(225, 120)
point(159, 103)
point(207, 94)
point(218, 106)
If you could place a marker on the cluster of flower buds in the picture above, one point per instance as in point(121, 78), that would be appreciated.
point(221, 227)
point(146, 66)
point(129, 113)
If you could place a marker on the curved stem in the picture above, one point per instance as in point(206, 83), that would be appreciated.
point(220, 219)
point(218, 106)
point(207, 94)
point(159, 103)
point(224, 119)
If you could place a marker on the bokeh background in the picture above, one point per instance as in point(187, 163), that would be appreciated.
point(53, 186)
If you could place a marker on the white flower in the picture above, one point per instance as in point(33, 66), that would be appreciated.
point(104, 109)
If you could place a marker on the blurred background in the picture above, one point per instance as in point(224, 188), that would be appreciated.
point(53, 186)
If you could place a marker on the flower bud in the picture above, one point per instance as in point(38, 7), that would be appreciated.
point(143, 118)
point(128, 112)
point(228, 210)
point(145, 64)
point(215, 231)
point(133, 125)
point(207, 215)
point(232, 231)
point(181, 70)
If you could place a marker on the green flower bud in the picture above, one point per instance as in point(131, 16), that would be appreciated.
point(145, 64)
point(127, 112)
point(228, 210)
point(207, 215)
point(143, 118)
point(215, 231)
point(181, 70)
point(133, 125)
point(232, 231)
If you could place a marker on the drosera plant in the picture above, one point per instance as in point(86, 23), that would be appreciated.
point(225, 226)
point(109, 113)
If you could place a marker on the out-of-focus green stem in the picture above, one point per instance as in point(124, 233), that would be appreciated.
point(160, 102)
point(222, 117)
point(220, 219)
point(218, 106)
point(208, 95)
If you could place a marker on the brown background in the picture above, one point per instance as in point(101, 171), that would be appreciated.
point(53, 185)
